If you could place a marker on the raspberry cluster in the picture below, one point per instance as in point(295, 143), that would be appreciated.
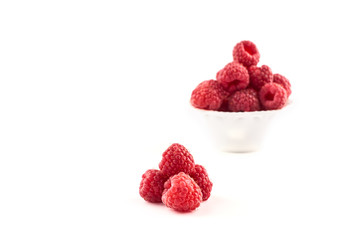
point(242, 86)
point(179, 183)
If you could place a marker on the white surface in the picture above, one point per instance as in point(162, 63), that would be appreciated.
point(92, 93)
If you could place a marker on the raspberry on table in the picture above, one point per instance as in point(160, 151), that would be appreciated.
point(272, 96)
point(233, 77)
point(176, 159)
point(260, 76)
point(208, 95)
point(244, 101)
point(182, 193)
point(202, 179)
point(152, 185)
point(280, 79)
point(246, 53)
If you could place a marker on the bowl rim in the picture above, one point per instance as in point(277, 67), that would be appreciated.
point(214, 112)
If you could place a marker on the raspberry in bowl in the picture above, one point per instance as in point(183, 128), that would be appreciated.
point(237, 107)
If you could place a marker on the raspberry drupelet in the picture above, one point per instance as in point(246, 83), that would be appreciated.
point(246, 53)
point(208, 95)
point(176, 159)
point(280, 79)
point(233, 77)
point(246, 100)
point(260, 76)
point(151, 186)
point(181, 193)
point(202, 179)
point(272, 96)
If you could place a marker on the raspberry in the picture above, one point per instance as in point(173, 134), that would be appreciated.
point(176, 159)
point(244, 100)
point(260, 76)
point(272, 96)
point(280, 79)
point(151, 186)
point(182, 193)
point(233, 77)
point(208, 95)
point(246, 53)
point(202, 179)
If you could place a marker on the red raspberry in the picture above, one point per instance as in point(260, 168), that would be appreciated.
point(208, 95)
point(260, 76)
point(244, 101)
point(151, 186)
point(280, 79)
point(246, 53)
point(272, 96)
point(176, 159)
point(202, 179)
point(182, 193)
point(233, 77)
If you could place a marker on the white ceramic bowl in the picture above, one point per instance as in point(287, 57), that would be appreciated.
point(237, 131)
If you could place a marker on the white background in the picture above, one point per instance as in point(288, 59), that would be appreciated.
point(92, 93)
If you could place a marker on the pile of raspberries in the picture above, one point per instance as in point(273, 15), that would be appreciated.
point(242, 86)
point(180, 183)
